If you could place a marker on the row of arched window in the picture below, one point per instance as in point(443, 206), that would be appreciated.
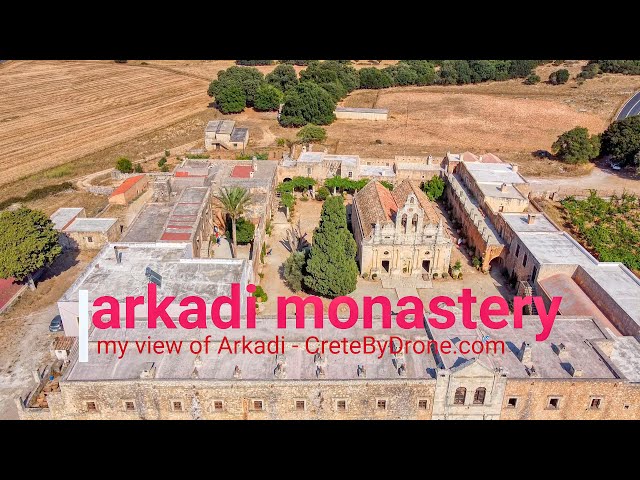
point(461, 395)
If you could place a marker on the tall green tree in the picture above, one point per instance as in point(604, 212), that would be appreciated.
point(305, 103)
point(233, 201)
point(246, 78)
point(268, 98)
point(621, 139)
point(124, 165)
point(283, 77)
point(374, 78)
point(576, 146)
point(331, 267)
point(28, 242)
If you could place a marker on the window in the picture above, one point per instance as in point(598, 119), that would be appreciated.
point(92, 406)
point(403, 222)
point(386, 253)
point(534, 272)
point(257, 405)
point(501, 208)
point(411, 200)
point(350, 174)
point(517, 250)
point(218, 405)
point(235, 144)
point(381, 404)
point(512, 402)
point(595, 403)
point(423, 404)
point(478, 397)
point(554, 403)
point(341, 405)
point(129, 405)
point(90, 239)
point(461, 394)
point(626, 406)
point(308, 170)
point(524, 260)
point(301, 405)
point(176, 405)
point(414, 222)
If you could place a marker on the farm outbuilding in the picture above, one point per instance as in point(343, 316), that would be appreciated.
point(353, 113)
point(129, 190)
point(91, 233)
point(224, 133)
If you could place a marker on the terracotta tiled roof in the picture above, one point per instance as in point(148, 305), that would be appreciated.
point(402, 191)
point(127, 184)
point(376, 204)
point(175, 236)
point(490, 158)
point(241, 171)
point(468, 157)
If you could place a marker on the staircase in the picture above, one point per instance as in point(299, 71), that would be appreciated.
point(525, 289)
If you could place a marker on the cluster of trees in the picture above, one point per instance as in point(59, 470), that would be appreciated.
point(626, 67)
point(610, 227)
point(445, 72)
point(341, 184)
point(329, 267)
point(28, 242)
point(245, 231)
point(296, 184)
point(237, 88)
point(577, 146)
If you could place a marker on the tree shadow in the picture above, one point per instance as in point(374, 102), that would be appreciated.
point(62, 263)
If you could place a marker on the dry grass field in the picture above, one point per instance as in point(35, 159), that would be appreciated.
point(508, 118)
point(54, 112)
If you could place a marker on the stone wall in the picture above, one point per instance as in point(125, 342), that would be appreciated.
point(575, 395)
point(158, 400)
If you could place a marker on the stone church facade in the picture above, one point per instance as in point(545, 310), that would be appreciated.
point(399, 233)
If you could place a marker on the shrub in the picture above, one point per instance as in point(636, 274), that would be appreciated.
point(245, 231)
point(434, 188)
point(559, 77)
point(137, 168)
point(281, 142)
point(311, 133)
point(435, 275)
point(532, 79)
point(444, 275)
point(458, 265)
point(164, 168)
point(197, 156)
point(124, 165)
point(162, 161)
point(59, 172)
point(167, 153)
point(387, 185)
point(322, 194)
point(621, 140)
point(260, 294)
point(476, 262)
point(294, 270)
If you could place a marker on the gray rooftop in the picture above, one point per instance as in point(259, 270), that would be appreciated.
point(101, 225)
point(149, 224)
point(362, 110)
point(626, 357)
point(299, 364)
point(181, 275)
point(572, 332)
point(417, 166)
point(262, 178)
point(64, 216)
point(493, 189)
point(220, 126)
point(315, 157)
point(518, 223)
point(239, 134)
point(493, 173)
point(377, 171)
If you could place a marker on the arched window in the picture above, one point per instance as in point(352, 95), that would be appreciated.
point(414, 222)
point(404, 222)
point(478, 397)
point(411, 200)
point(461, 394)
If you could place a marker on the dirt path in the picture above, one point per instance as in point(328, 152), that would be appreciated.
point(599, 178)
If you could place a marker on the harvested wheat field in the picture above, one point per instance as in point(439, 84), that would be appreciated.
point(52, 112)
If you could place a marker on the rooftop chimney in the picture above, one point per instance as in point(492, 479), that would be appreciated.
point(362, 371)
point(254, 164)
point(149, 371)
point(320, 372)
point(429, 160)
point(115, 250)
point(533, 372)
point(504, 187)
point(562, 352)
point(525, 353)
point(279, 371)
point(480, 158)
point(514, 168)
point(402, 370)
point(251, 173)
point(237, 373)
point(531, 218)
point(575, 371)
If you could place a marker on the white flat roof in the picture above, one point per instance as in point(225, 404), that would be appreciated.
point(91, 225)
point(493, 172)
point(63, 216)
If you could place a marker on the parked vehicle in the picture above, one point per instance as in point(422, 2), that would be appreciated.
point(615, 166)
point(56, 325)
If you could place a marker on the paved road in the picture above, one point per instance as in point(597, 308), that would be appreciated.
point(631, 108)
